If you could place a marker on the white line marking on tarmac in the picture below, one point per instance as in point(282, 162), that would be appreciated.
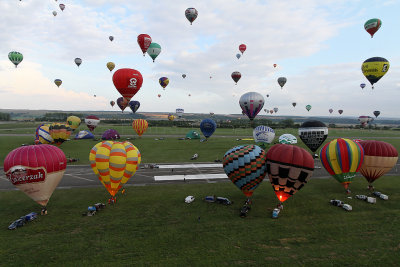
point(5, 179)
point(74, 176)
point(185, 166)
point(190, 177)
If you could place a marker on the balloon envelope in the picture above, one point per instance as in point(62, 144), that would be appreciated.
point(342, 158)
point(251, 104)
point(375, 68)
point(372, 26)
point(134, 105)
point(164, 81)
point(340, 111)
point(376, 113)
point(36, 170)
point(379, 158)
point(110, 66)
point(73, 122)
point(110, 134)
point(122, 103)
point(78, 61)
point(242, 48)
point(111, 38)
point(238, 56)
point(191, 14)
point(128, 82)
point(154, 50)
point(43, 134)
point(140, 126)
point(58, 82)
point(313, 133)
point(112, 103)
point(289, 168)
point(92, 122)
point(144, 41)
point(287, 139)
point(245, 167)
point(60, 132)
point(330, 110)
point(236, 76)
point(15, 57)
point(179, 112)
point(282, 81)
point(207, 127)
point(263, 134)
point(114, 163)
point(308, 107)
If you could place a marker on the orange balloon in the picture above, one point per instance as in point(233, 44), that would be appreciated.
point(140, 126)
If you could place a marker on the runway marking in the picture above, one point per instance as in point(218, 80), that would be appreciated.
point(190, 177)
point(186, 166)
point(79, 177)
point(5, 179)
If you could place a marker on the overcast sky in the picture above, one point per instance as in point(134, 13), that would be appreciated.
point(318, 46)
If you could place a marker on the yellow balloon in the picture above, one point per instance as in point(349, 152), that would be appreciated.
point(140, 126)
point(374, 69)
point(60, 132)
point(114, 163)
point(110, 65)
point(73, 122)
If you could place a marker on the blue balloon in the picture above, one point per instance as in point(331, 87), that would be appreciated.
point(207, 127)
point(134, 105)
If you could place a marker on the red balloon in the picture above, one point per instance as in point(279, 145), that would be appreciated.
point(128, 82)
point(274, 65)
point(36, 170)
point(242, 48)
point(144, 41)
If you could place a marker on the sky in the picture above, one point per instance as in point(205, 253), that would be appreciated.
point(318, 46)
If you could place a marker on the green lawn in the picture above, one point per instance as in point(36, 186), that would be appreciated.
point(152, 225)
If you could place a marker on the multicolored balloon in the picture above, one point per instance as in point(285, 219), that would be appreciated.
point(73, 122)
point(122, 103)
point(60, 132)
point(242, 48)
point(164, 81)
point(364, 120)
point(171, 117)
point(289, 169)
point(313, 133)
point(263, 134)
point(144, 41)
point(282, 81)
point(43, 134)
point(36, 170)
point(128, 82)
point(58, 82)
point(92, 122)
point(374, 69)
point(62, 7)
point(114, 163)
point(179, 112)
point(289, 139)
point(251, 104)
point(236, 76)
point(372, 26)
point(207, 127)
point(245, 166)
point(134, 105)
point(342, 158)
point(191, 14)
point(154, 50)
point(140, 126)
point(15, 57)
point(379, 158)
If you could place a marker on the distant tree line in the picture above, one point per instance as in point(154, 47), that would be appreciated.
point(4, 116)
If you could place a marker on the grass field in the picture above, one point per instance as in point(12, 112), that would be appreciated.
point(153, 226)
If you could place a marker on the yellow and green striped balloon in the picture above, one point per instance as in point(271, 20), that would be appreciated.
point(114, 163)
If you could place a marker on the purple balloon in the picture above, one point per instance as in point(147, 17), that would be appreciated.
point(110, 134)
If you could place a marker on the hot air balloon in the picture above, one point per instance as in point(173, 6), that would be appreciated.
point(60, 132)
point(111, 38)
point(134, 105)
point(183, 76)
point(122, 103)
point(376, 113)
point(112, 103)
point(128, 82)
point(308, 107)
point(36, 170)
point(62, 7)
point(58, 82)
point(110, 134)
point(267, 95)
point(245, 166)
point(15, 57)
point(294, 104)
point(171, 117)
point(78, 61)
point(43, 134)
point(265, 110)
point(110, 66)
point(362, 85)
point(276, 110)
point(140, 126)
point(207, 127)
point(242, 48)
point(287, 139)
point(92, 122)
point(282, 81)
point(191, 14)
point(114, 163)
point(238, 56)
point(159, 95)
point(372, 26)
point(264, 135)
point(374, 69)
point(236, 76)
point(179, 112)
point(340, 111)
point(154, 50)
point(330, 110)
point(313, 133)
point(73, 122)
point(211, 114)
point(251, 104)
point(271, 111)
point(364, 120)
point(164, 81)
point(289, 169)
point(275, 65)
point(379, 158)
point(342, 158)
point(54, 13)
point(144, 41)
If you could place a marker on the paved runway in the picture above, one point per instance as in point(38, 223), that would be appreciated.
point(83, 176)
